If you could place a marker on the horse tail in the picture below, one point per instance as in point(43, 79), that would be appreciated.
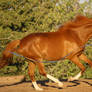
point(7, 53)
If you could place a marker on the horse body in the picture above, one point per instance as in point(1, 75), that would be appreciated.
point(51, 46)
point(47, 46)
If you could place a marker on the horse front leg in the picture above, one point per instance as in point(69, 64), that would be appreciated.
point(75, 59)
point(85, 59)
point(31, 71)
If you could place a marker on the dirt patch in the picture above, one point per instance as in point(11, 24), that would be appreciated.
point(9, 84)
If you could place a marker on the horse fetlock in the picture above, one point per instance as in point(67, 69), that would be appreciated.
point(60, 84)
point(71, 79)
point(36, 86)
point(75, 77)
point(39, 89)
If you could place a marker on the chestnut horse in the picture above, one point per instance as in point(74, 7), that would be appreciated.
point(51, 46)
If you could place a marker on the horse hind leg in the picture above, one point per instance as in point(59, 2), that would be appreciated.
point(75, 59)
point(43, 72)
point(85, 59)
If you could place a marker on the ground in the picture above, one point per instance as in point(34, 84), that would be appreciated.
point(12, 84)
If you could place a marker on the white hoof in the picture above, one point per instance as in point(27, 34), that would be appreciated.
point(60, 84)
point(36, 86)
point(71, 79)
point(39, 89)
point(76, 77)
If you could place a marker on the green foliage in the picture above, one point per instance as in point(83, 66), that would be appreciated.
point(24, 15)
point(19, 18)
point(8, 71)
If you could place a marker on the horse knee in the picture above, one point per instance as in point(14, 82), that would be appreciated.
point(83, 69)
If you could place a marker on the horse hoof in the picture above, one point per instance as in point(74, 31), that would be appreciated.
point(70, 79)
point(60, 85)
point(39, 89)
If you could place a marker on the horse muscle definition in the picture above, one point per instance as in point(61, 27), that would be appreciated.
point(53, 46)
